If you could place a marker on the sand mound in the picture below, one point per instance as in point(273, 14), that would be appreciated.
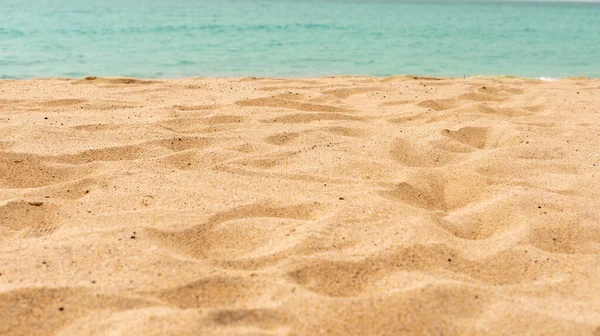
point(125, 80)
point(344, 206)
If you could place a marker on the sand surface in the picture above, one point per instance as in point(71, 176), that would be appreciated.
point(300, 206)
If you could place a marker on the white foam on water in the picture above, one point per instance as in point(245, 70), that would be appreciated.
point(548, 79)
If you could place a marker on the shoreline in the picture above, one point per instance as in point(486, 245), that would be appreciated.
point(407, 77)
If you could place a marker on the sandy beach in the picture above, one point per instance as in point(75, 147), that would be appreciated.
point(338, 206)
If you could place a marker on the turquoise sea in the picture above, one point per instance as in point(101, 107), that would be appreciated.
point(183, 38)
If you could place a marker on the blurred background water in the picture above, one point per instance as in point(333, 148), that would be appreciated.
point(184, 38)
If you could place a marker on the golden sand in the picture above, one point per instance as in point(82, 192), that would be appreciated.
point(340, 206)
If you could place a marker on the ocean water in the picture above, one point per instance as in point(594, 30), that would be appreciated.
point(183, 38)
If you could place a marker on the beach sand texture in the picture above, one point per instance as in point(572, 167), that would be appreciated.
point(345, 205)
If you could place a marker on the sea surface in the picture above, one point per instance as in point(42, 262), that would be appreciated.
point(185, 38)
